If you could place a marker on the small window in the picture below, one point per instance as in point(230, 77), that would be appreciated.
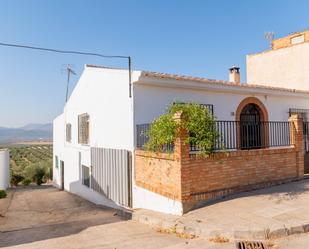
point(304, 113)
point(297, 39)
point(210, 107)
point(86, 175)
point(68, 133)
point(83, 128)
point(56, 162)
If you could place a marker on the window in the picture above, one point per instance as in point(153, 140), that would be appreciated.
point(210, 107)
point(297, 39)
point(86, 176)
point(56, 162)
point(68, 132)
point(304, 113)
point(83, 128)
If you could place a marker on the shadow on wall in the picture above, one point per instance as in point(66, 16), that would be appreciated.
point(78, 215)
point(99, 198)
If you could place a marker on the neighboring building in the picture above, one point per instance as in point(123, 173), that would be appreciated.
point(4, 169)
point(95, 136)
point(285, 65)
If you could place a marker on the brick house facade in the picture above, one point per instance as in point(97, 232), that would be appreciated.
point(191, 178)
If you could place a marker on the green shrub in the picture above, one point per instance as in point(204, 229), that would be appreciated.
point(199, 123)
point(39, 175)
point(162, 132)
point(2, 194)
point(16, 179)
point(26, 181)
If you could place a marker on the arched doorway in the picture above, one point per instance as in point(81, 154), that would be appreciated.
point(252, 129)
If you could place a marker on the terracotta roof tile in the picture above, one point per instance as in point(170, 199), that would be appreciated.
point(218, 82)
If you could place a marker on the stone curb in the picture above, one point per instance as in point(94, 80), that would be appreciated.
point(198, 229)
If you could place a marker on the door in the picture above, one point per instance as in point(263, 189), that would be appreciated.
point(306, 146)
point(62, 175)
point(111, 174)
point(250, 128)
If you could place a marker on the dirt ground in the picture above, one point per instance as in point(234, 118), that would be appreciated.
point(44, 217)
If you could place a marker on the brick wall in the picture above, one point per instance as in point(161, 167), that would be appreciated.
point(192, 178)
point(159, 173)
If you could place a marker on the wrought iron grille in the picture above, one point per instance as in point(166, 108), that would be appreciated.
point(304, 113)
point(68, 132)
point(83, 128)
point(210, 107)
point(306, 136)
point(238, 135)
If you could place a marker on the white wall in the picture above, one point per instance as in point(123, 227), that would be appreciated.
point(104, 95)
point(143, 198)
point(58, 147)
point(151, 101)
point(285, 67)
point(4, 169)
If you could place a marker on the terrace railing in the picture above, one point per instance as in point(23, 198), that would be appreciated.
point(233, 135)
point(306, 136)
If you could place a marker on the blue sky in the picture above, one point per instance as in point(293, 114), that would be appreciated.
point(200, 38)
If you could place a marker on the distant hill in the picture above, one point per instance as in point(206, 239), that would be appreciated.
point(41, 127)
point(30, 132)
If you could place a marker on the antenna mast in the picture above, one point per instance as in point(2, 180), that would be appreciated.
point(269, 36)
point(69, 72)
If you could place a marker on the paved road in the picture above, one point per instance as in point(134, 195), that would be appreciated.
point(294, 242)
point(47, 218)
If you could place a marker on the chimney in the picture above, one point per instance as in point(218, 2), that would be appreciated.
point(234, 76)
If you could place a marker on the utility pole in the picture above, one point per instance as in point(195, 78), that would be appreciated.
point(69, 72)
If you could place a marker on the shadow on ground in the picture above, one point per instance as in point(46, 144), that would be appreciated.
point(40, 213)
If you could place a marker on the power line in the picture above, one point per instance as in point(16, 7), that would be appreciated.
point(62, 51)
point(74, 52)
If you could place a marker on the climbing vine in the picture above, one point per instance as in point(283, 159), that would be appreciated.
point(198, 122)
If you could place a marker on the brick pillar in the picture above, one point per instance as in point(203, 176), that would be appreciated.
point(297, 139)
point(182, 155)
point(181, 149)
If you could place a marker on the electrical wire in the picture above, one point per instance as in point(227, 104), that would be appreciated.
point(77, 53)
point(62, 51)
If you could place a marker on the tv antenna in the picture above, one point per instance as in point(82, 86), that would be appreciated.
point(69, 71)
point(269, 36)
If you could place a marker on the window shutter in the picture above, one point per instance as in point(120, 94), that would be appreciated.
point(83, 128)
point(68, 132)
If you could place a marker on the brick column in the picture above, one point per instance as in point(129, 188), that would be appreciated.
point(181, 149)
point(297, 139)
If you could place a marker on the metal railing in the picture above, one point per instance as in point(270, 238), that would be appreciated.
point(142, 138)
point(306, 136)
point(234, 135)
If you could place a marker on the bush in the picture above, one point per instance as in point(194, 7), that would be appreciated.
point(16, 178)
point(26, 182)
point(39, 175)
point(2, 194)
point(29, 171)
point(199, 123)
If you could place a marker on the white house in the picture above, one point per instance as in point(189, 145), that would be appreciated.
point(95, 136)
point(285, 65)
